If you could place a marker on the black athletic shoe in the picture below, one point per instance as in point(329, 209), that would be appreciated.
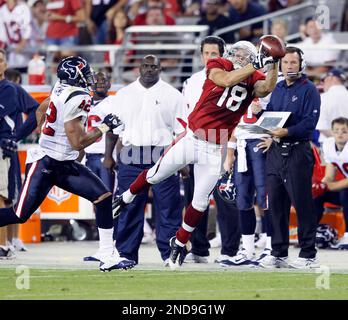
point(177, 253)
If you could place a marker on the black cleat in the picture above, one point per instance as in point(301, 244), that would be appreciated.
point(177, 253)
point(117, 205)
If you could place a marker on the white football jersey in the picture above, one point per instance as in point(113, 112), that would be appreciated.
point(193, 88)
point(338, 159)
point(16, 25)
point(66, 103)
point(99, 110)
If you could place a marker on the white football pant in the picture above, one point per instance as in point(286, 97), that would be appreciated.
point(188, 149)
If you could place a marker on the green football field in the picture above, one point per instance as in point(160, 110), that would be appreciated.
point(169, 285)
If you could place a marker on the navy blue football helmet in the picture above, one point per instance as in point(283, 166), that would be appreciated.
point(226, 189)
point(76, 72)
point(326, 236)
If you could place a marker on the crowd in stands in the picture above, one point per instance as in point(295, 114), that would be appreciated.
point(34, 23)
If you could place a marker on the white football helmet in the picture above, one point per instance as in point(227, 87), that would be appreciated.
point(241, 53)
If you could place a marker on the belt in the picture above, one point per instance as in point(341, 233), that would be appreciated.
point(289, 144)
point(92, 155)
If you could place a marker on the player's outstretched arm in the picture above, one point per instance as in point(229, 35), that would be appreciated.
point(224, 78)
point(80, 139)
point(263, 88)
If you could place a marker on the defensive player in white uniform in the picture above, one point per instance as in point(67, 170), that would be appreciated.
point(335, 151)
point(15, 31)
point(53, 162)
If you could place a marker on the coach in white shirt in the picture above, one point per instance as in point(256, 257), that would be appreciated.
point(333, 102)
point(152, 113)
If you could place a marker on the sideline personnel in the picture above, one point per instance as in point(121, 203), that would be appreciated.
point(289, 164)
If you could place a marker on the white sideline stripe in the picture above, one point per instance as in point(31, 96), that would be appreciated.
point(25, 189)
point(187, 227)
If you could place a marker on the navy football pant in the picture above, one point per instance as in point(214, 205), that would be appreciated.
point(168, 208)
point(94, 162)
point(71, 176)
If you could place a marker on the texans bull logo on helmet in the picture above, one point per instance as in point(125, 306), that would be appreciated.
point(226, 188)
point(70, 68)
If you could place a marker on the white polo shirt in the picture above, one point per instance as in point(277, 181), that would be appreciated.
point(319, 57)
point(151, 117)
point(333, 105)
point(192, 89)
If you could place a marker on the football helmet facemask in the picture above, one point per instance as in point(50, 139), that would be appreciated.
point(76, 72)
point(226, 189)
point(241, 53)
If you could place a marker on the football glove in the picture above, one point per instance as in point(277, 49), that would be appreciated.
point(112, 121)
point(262, 60)
point(8, 147)
point(318, 188)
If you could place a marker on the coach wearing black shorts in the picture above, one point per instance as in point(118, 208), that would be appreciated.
point(290, 164)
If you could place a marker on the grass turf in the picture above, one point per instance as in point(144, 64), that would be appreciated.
point(169, 285)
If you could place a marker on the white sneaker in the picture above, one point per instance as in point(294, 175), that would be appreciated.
point(148, 238)
point(242, 258)
point(18, 244)
point(167, 263)
point(270, 262)
point(305, 263)
point(94, 257)
point(261, 243)
point(264, 253)
point(194, 258)
point(114, 261)
point(216, 242)
point(342, 244)
point(222, 257)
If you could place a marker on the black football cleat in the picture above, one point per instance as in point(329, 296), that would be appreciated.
point(177, 254)
point(117, 205)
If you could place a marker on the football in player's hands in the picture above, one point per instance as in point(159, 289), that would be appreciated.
point(112, 121)
point(272, 46)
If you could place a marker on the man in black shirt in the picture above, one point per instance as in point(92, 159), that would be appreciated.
point(215, 20)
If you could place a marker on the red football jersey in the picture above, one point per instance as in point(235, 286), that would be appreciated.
point(219, 109)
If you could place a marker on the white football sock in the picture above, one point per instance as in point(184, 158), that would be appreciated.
point(268, 243)
point(248, 243)
point(106, 242)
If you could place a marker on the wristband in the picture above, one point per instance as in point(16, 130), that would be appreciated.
point(104, 128)
point(68, 19)
point(231, 145)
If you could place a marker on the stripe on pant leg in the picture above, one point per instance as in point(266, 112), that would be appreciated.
point(24, 191)
point(174, 142)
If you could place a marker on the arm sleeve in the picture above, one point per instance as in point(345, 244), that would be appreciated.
point(7, 101)
point(27, 105)
point(74, 107)
point(311, 112)
point(27, 128)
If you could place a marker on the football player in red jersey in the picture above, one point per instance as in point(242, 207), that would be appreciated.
point(232, 83)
